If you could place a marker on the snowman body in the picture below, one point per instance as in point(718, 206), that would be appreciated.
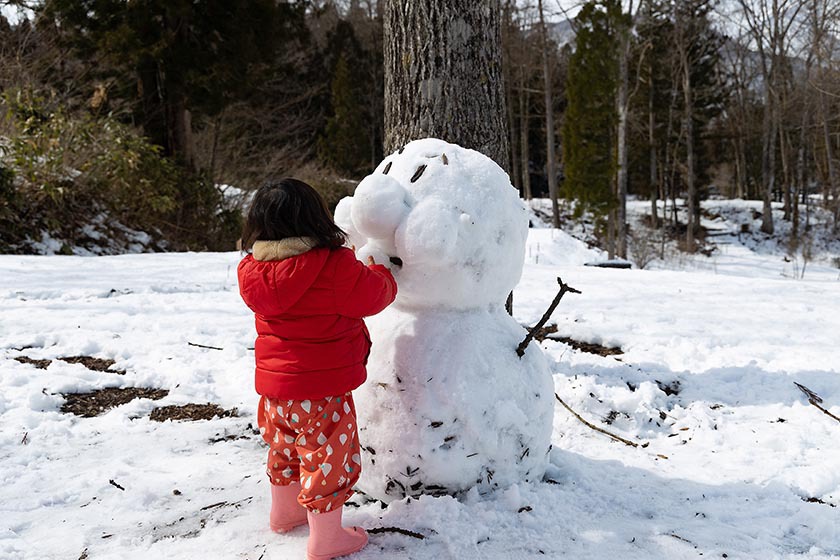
point(448, 404)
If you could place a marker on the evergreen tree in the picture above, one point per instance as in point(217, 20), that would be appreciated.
point(186, 56)
point(590, 119)
point(344, 144)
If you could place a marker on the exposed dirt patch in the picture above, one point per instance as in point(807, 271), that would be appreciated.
point(589, 347)
point(40, 364)
point(95, 364)
point(192, 412)
point(544, 332)
point(547, 331)
point(95, 403)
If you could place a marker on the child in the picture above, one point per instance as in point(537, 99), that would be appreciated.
point(309, 295)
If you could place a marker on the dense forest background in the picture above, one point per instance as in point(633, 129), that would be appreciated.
point(144, 124)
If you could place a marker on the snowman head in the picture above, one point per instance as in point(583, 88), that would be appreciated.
point(445, 219)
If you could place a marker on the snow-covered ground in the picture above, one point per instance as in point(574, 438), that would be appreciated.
point(726, 249)
point(736, 464)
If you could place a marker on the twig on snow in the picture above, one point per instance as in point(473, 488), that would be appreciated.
point(235, 504)
point(520, 350)
point(814, 399)
point(114, 484)
point(405, 532)
point(203, 346)
point(596, 428)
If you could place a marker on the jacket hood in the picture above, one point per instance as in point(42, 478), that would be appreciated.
point(282, 248)
point(272, 286)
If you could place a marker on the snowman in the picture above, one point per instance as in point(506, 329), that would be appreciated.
point(448, 404)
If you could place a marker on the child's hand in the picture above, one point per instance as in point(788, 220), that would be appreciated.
point(370, 260)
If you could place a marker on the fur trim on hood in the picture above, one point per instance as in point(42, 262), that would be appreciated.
point(282, 249)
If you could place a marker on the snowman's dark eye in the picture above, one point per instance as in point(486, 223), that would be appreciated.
point(387, 168)
point(418, 173)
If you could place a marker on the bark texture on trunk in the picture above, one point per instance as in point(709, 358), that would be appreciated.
point(525, 155)
point(621, 173)
point(683, 47)
point(443, 75)
point(551, 172)
point(654, 172)
point(768, 165)
point(691, 182)
point(829, 157)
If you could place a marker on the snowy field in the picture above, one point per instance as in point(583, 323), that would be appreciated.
point(733, 462)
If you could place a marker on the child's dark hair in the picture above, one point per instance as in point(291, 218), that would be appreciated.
point(290, 208)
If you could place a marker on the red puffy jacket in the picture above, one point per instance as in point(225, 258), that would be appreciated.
point(311, 340)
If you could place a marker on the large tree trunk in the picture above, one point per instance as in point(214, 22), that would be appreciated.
point(829, 158)
point(800, 168)
point(690, 179)
point(784, 144)
point(180, 131)
point(549, 125)
point(152, 110)
point(443, 75)
point(768, 164)
point(654, 178)
point(683, 46)
point(621, 174)
point(507, 32)
point(524, 147)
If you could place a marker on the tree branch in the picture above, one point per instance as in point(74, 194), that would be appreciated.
point(596, 428)
point(520, 350)
point(203, 346)
point(814, 399)
point(399, 530)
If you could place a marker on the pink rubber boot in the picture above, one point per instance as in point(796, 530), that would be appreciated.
point(328, 539)
point(286, 512)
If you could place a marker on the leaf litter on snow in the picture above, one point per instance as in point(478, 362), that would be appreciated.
point(94, 403)
point(192, 411)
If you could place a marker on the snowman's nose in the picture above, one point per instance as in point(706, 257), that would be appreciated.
point(379, 205)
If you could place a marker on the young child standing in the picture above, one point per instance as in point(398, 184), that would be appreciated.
point(309, 295)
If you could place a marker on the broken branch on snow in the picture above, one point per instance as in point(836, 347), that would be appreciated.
point(203, 346)
point(405, 532)
point(596, 428)
point(814, 399)
point(564, 288)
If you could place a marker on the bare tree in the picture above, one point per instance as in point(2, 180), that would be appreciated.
point(622, 102)
point(769, 23)
point(822, 15)
point(683, 12)
point(520, 64)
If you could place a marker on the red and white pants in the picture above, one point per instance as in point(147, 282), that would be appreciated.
point(314, 442)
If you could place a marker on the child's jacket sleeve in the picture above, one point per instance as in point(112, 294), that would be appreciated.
point(362, 290)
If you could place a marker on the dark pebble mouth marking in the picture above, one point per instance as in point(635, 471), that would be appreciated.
point(396, 261)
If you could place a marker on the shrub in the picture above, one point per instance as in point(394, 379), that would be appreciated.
point(83, 179)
